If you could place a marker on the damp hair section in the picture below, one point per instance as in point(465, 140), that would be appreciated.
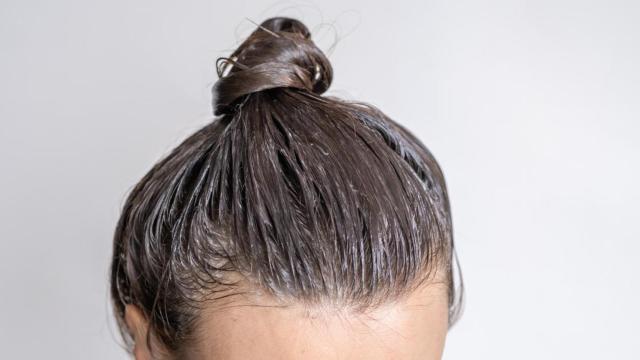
point(307, 197)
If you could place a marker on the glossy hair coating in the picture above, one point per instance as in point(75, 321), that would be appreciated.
point(309, 198)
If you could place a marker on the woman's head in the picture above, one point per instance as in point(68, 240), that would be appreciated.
point(289, 210)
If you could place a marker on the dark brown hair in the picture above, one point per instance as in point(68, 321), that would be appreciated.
point(311, 198)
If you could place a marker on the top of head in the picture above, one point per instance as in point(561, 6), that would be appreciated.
point(279, 53)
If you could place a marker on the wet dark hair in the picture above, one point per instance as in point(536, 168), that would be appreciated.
point(310, 198)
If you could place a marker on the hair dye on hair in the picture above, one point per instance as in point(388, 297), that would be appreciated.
point(308, 197)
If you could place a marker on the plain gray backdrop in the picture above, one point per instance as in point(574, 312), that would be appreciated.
point(531, 107)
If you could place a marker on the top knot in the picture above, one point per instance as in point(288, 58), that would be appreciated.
point(279, 53)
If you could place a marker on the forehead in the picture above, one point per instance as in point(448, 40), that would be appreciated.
point(257, 327)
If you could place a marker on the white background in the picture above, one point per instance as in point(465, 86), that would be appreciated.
point(531, 107)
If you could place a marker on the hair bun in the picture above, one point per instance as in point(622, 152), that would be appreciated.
point(279, 53)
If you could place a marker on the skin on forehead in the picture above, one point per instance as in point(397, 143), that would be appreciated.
point(256, 327)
